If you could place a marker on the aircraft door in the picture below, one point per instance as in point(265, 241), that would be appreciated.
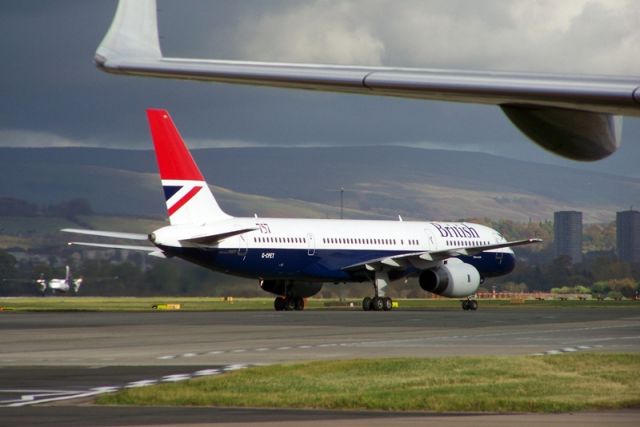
point(311, 245)
point(431, 240)
point(242, 246)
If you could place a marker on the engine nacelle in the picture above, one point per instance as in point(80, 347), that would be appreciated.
point(454, 280)
point(291, 288)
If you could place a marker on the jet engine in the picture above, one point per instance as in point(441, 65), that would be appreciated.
point(453, 279)
point(291, 288)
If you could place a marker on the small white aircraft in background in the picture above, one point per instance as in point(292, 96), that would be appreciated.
point(62, 286)
point(293, 257)
point(575, 116)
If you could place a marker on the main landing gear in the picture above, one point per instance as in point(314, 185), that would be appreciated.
point(469, 304)
point(288, 304)
point(379, 302)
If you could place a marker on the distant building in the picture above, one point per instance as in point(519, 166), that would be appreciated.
point(567, 231)
point(628, 236)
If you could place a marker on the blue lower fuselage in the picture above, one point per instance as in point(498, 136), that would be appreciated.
point(321, 265)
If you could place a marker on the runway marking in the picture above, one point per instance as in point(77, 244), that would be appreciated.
point(207, 372)
point(235, 367)
point(141, 383)
point(37, 396)
point(409, 341)
point(567, 350)
point(175, 378)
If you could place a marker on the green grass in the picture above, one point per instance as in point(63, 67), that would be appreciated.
point(585, 381)
point(130, 303)
point(79, 303)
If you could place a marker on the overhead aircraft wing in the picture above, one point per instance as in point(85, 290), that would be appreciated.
point(576, 116)
point(420, 258)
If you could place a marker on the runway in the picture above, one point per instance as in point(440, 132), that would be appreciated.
point(70, 355)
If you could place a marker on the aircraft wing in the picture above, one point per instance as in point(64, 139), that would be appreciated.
point(418, 259)
point(576, 116)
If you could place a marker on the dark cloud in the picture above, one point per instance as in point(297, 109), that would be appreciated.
point(52, 94)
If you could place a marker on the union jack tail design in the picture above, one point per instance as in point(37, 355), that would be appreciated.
point(189, 199)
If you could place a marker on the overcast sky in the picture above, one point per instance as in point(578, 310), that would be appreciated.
point(52, 94)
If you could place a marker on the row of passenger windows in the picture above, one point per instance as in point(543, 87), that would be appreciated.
point(280, 240)
point(465, 243)
point(360, 241)
point(335, 241)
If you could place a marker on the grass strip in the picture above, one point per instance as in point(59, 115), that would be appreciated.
point(80, 303)
point(570, 382)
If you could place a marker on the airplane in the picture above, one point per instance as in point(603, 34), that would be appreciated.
point(575, 116)
point(293, 258)
point(68, 284)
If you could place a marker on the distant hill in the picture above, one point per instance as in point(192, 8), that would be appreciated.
point(379, 182)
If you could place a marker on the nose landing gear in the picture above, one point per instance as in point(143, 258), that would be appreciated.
point(469, 304)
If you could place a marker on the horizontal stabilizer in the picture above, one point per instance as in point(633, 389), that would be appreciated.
point(150, 249)
point(113, 234)
point(212, 238)
point(209, 235)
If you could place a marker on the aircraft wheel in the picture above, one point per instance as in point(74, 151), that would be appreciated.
point(387, 304)
point(465, 305)
point(377, 304)
point(299, 303)
point(366, 304)
point(473, 305)
point(278, 304)
point(289, 304)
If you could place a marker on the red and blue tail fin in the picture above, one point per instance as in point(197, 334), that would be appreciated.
point(189, 199)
